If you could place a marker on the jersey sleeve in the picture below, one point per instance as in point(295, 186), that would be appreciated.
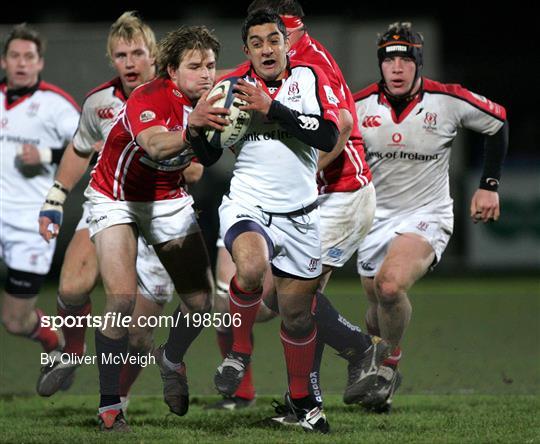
point(145, 111)
point(320, 98)
point(476, 112)
point(66, 120)
point(88, 130)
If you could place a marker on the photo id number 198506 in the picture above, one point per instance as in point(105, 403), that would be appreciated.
point(215, 320)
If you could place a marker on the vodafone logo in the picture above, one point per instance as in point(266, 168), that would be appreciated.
point(105, 113)
point(371, 122)
point(397, 137)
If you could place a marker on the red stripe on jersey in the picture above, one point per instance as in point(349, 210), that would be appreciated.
point(44, 86)
point(412, 103)
point(366, 92)
point(349, 171)
point(459, 92)
point(113, 83)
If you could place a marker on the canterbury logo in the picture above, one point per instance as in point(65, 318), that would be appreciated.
point(308, 123)
point(105, 113)
point(371, 122)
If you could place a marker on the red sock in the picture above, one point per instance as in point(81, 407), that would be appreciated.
point(246, 388)
point(74, 336)
point(246, 304)
point(45, 335)
point(299, 356)
point(128, 375)
point(393, 359)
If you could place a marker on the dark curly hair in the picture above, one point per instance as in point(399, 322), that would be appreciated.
point(172, 48)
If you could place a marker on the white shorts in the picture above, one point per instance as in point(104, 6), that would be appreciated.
point(21, 246)
point(157, 222)
point(346, 219)
point(436, 229)
point(153, 280)
point(297, 246)
point(84, 221)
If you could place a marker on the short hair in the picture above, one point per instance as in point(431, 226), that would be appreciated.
point(262, 17)
point(172, 48)
point(129, 27)
point(24, 32)
point(282, 7)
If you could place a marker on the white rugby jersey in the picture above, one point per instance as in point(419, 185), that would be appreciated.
point(47, 118)
point(273, 169)
point(409, 157)
point(98, 116)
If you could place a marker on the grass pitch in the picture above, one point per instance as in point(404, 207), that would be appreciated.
point(471, 374)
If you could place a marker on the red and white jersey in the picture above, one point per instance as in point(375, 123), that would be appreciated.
point(46, 117)
point(349, 171)
point(124, 170)
point(99, 111)
point(273, 169)
point(409, 155)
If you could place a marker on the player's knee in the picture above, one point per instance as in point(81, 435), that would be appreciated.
point(389, 292)
point(199, 303)
point(121, 304)
point(71, 294)
point(250, 274)
point(297, 323)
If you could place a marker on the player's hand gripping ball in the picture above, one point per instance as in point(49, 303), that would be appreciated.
point(239, 119)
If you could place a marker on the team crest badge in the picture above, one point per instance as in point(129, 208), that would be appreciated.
point(147, 116)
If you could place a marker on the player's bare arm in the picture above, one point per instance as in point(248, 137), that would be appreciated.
point(345, 130)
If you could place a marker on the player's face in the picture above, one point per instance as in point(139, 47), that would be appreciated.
point(22, 64)
point(266, 48)
point(196, 73)
point(133, 63)
point(398, 73)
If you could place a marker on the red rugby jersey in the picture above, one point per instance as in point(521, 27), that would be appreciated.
point(350, 170)
point(124, 170)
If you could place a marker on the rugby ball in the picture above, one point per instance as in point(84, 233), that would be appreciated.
point(239, 120)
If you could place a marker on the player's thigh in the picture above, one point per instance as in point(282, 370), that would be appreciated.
point(408, 258)
point(116, 248)
point(79, 273)
point(186, 260)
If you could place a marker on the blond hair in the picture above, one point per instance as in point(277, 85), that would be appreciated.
point(129, 27)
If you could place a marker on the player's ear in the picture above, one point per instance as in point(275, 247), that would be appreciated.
point(246, 50)
point(172, 72)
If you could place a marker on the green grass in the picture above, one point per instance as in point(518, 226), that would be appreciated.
point(471, 374)
point(415, 419)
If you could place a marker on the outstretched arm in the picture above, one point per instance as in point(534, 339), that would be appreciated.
point(485, 202)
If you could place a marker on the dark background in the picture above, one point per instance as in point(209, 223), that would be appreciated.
point(483, 49)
